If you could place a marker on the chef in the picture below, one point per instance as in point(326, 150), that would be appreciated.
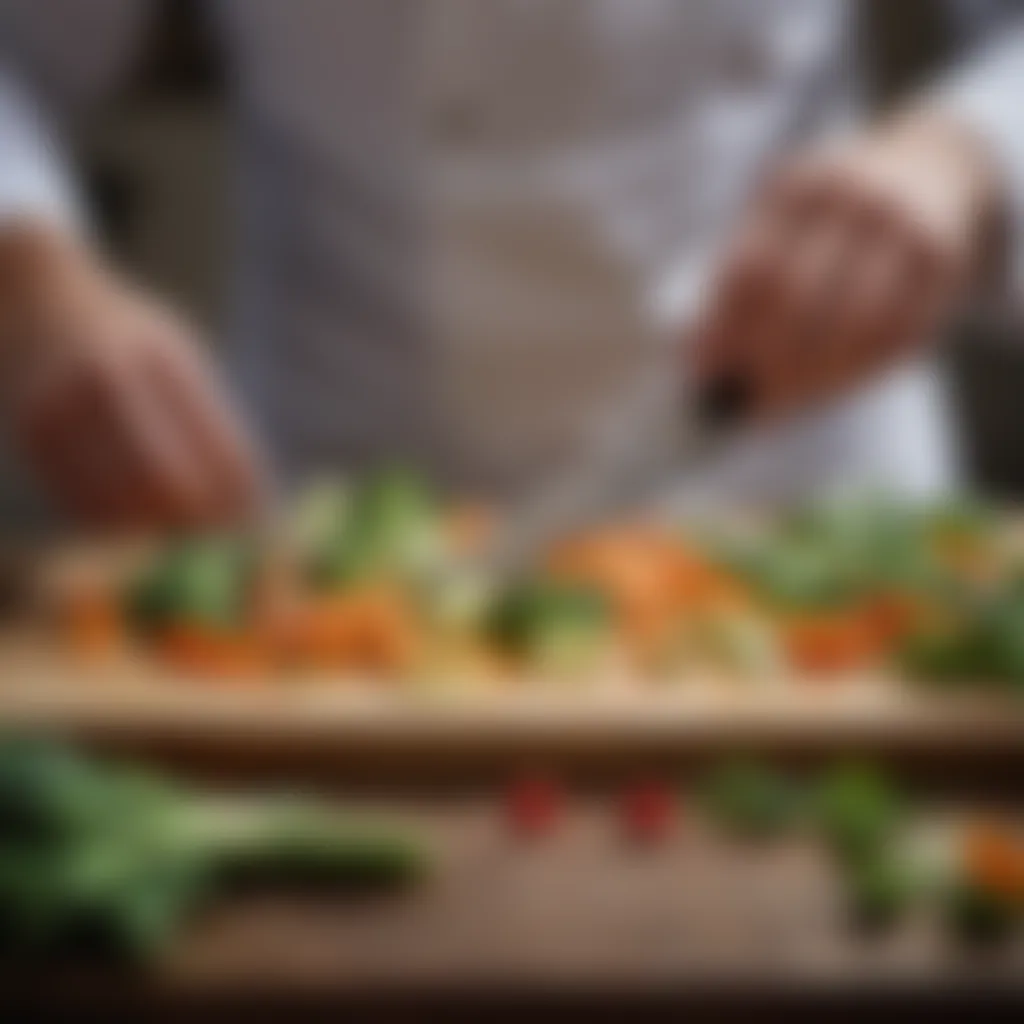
point(467, 228)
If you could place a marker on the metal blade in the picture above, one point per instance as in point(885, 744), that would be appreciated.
point(656, 438)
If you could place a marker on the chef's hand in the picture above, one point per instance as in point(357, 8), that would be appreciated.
point(850, 258)
point(109, 399)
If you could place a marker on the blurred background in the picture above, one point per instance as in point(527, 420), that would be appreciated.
point(158, 164)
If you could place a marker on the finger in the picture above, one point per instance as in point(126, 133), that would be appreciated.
point(752, 299)
point(880, 314)
point(794, 344)
point(233, 481)
point(746, 288)
point(105, 452)
point(50, 435)
point(163, 486)
point(806, 189)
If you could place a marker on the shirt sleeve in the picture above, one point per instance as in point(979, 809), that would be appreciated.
point(986, 95)
point(48, 76)
point(34, 182)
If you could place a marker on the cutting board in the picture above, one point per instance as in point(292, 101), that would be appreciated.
point(127, 700)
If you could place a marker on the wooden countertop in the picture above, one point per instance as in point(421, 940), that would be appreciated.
point(581, 912)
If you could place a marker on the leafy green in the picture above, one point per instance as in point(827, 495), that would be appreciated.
point(751, 800)
point(555, 623)
point(390, 524)
point(111, 859)
point(883, 889)
point(982, 643)
point(203, 581)
point(858, 810)
point(978, 916)
point(834, 553)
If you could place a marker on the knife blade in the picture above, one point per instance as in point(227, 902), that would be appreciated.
point(661, 433)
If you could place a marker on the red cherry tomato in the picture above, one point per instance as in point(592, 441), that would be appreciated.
point(534, 805)
point(648, 812)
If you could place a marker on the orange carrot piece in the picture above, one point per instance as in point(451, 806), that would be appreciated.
point(94, 623)
point(221, 654)
point(372, 628)
point(829, 643)
point(994, 859)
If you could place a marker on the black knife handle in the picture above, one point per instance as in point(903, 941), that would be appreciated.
point(723, 401)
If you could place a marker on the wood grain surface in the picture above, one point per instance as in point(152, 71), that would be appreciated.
point(127, 701)
point(582, 911)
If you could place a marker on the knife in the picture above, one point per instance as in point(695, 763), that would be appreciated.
point(662, 432)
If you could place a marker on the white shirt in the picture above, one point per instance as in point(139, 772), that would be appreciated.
point(466, 227)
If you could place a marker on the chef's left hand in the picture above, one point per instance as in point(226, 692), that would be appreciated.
point(850, 258)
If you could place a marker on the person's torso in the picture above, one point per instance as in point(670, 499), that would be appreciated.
point(466, 225)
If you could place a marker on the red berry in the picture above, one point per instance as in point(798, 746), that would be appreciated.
point(648, 811)
point(534, 805)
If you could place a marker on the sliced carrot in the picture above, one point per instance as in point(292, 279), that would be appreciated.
point(826, 643)
point(206, 651)
point(372, 628)
point(94, 623)
point(650, 576)
point(892, 617)
point(994, 859)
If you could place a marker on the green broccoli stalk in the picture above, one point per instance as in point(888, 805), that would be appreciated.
point(111, 859)
point(292, 840)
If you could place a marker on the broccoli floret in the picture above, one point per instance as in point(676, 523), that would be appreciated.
point(984, 644)
point(391, 526)
point(203, 582)
point(319, 515)
point(553, 623)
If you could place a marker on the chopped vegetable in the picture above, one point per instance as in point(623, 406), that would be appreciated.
point(858, 810)
point(534, 804)
point(824, 591)
point(212, 652)
point(980, 643)
point(830, 642)
point(993, 859)
point(201, 582)
point(883, 890)
point(977, 915)
point(555, 625)
point(648, 811)
point(751, 800)
point(369, 628)
point(94, 622)
point(391, 527)
point(111, 860)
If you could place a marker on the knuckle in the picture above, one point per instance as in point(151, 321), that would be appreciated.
point(806, 186)
point(929, 255)
point(755, 274)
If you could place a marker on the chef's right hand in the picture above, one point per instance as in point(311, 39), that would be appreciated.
point(110, 400)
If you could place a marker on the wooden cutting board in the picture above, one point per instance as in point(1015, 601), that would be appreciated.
point(127, 700)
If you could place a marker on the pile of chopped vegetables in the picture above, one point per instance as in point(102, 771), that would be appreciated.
point(896, 856)
point(360, 583)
